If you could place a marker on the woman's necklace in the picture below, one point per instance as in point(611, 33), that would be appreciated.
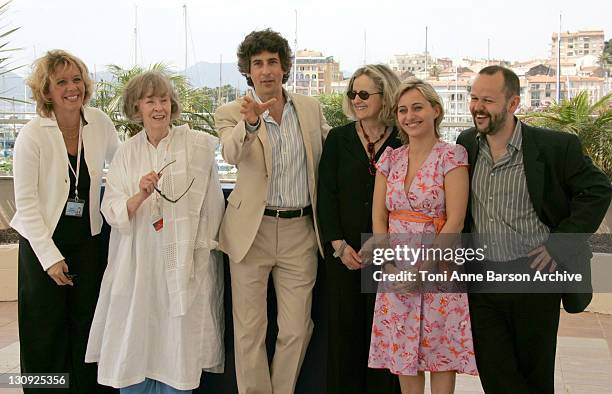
point(370, 148)
point(66, 132)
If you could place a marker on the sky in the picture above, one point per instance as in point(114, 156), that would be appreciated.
point(102, 32)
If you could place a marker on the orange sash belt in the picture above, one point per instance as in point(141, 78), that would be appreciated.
point(418, 217)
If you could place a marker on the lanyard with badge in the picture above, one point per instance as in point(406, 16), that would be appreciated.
point(157, 217)
point(75, 206)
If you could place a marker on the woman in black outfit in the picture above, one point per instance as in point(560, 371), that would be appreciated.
point(58, 160)
point(346, 185)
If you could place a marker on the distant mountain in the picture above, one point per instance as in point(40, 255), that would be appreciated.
point(103, 76)
point(207, 74)
point(13, 86)
point(202, 74)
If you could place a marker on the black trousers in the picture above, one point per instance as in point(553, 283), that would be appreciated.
point(515, 340)
point(54, 321)
point(349, 329)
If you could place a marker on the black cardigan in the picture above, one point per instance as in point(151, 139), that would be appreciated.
point(344, 199)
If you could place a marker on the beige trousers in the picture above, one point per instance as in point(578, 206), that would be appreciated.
point(287, 248)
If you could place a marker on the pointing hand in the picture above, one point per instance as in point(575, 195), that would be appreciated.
point(251, 109)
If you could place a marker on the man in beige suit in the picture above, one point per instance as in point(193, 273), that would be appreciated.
point(275, 138)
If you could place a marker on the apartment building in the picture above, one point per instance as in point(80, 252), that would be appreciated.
point(409, 62)
point(315, 74)
point(542, 89)
point(455, 97)
point(575, 45)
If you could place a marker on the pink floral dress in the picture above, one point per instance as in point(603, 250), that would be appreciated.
point(414, 332)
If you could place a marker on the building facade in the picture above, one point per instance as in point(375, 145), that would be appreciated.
point(315, 74)
point(575, 45)
point(542, 89)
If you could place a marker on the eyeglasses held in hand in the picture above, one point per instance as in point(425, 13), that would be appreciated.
point(362, 94)
point(172, 200)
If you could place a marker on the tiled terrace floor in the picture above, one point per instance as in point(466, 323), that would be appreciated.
point(584, 353)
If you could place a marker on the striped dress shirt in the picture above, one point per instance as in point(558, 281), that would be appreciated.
point(289, 173)
point(505, 222)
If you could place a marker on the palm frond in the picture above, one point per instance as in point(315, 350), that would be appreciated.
point(196, 105)
point(592, 123)
point(5, 63)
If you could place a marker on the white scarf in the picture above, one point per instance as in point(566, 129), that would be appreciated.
point(191, 224)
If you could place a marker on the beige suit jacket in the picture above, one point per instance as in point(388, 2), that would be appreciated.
point(252, 154)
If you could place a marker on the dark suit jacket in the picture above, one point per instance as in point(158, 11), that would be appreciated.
point(568, 192)
point(345, 187)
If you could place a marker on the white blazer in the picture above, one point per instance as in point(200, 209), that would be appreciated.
point(42, 184)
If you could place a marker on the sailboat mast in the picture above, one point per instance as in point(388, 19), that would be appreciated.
point(135, 35)
point(220, 79)
point(559, 62)
point(185, 23)
point(295, 46)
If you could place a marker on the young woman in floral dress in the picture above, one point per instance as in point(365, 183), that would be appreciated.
point(421, 188)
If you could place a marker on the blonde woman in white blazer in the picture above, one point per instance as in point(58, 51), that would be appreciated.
point(58, 160)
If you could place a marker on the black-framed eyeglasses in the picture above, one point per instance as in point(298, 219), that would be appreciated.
point(362, 94)
point(172, 200)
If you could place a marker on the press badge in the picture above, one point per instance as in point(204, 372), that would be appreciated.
point(158, 223)
point(157, 219)
point(74, 207)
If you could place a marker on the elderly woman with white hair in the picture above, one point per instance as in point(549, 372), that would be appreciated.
point(159, 318)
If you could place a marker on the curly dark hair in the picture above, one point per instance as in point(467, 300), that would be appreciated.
point(264, 40)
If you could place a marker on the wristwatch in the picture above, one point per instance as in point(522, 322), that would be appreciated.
point(252, 128)
point(338, 252)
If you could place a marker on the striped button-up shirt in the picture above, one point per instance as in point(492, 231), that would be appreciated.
point(289, 173)
point(504, 218)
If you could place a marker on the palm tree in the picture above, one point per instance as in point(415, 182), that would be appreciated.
point(332, 109)
point(434, 71)
point(5, 52)
point(195, 105)
point(6, 66)
point(605, 60)
point(592, 123)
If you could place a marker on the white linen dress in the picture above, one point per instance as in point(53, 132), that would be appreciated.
point(160, 310)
